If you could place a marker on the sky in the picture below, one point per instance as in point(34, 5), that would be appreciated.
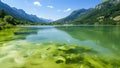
point(51, 9)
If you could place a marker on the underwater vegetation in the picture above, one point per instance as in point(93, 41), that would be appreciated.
point(21, 54)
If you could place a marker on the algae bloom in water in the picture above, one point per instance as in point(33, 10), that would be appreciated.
point(30, 55)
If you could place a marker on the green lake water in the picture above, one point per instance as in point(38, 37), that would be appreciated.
point(103, 39)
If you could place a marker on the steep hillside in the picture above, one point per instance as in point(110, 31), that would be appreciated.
point(8, 21)
point(21, 14)
point(106, 13)
point(75, 14)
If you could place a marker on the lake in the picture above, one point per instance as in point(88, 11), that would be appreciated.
point(105, 40)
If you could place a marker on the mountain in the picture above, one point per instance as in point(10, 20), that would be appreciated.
point(105, 13)
point(75, 14)
point(21, 14)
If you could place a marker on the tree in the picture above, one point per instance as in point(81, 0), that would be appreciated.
point(9, 19)
point(2, 13)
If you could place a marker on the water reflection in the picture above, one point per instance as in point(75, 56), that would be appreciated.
point(31, 48)
point(63, 36)
point(51, 35)
point(104, 36)
point(103, 39)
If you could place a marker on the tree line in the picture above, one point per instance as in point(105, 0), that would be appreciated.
point(8, 21)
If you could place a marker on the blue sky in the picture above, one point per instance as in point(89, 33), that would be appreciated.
point(51, 9)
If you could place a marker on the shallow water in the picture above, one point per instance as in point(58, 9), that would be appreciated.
point(102, 38)
point(15, 42)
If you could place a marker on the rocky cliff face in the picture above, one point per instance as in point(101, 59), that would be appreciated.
point(108, 3)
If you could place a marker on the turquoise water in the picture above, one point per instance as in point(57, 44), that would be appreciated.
point(20, 46)
point(105, 39)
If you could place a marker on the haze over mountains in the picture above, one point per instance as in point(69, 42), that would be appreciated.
point(21, 14)
point(75, 14)
point(105, 13)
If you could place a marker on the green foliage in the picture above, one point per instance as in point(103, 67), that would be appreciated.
point(103, 14)
point(2, 13)
point(75, 14)
point(7, 21)
point(95, 15)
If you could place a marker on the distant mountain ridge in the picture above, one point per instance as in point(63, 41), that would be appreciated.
point(75, 14)
point(21, 14)
point(105, 13)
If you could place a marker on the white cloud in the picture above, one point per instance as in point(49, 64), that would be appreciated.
point(37, 3)
point(67, 10)
point(50, 6)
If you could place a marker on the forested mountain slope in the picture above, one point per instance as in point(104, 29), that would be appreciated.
point(21, 14)
point(106, 13)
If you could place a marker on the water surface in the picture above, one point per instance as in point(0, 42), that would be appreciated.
point(103, 39)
